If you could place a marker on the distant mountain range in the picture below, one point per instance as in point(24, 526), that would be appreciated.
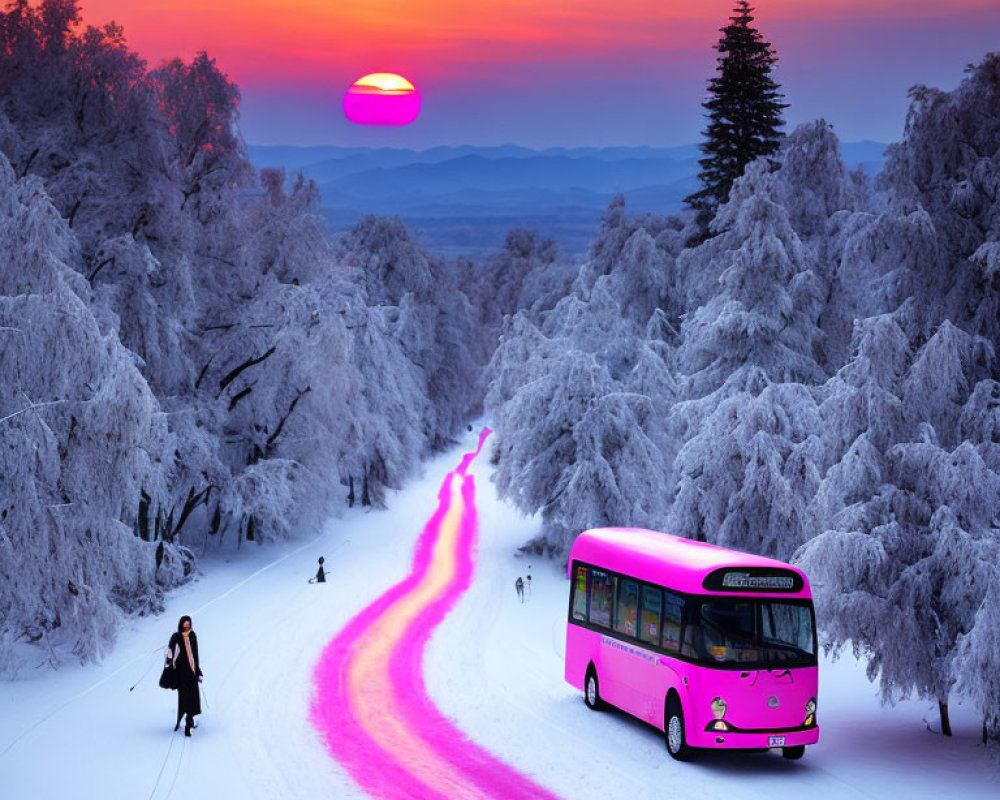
point(463, 200)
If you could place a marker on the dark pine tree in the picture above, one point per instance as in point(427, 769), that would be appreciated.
point(744, 111)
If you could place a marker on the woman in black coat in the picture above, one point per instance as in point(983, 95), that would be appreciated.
point(182, 653)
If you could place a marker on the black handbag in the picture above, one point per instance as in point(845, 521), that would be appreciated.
point(168, 679)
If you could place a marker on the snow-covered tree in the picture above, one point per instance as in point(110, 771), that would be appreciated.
point(153, 315)
point(509, 282)
point(579, 409)
point(763, 313)
point(750, 458)
point(200, 104)
point(976, 659)
point(288, 236)
point(82, 440)
point(640, 273)
point(811, 181)
point(812, 184)
point(947, 166)
point(862, 415)
point(907, 509)
point(744, 479)
point(432, 318)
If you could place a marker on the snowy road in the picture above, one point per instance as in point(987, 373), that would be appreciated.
point(493, 668)
point(371, 704)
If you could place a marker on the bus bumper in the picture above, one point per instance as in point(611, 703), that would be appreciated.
point(757, 740)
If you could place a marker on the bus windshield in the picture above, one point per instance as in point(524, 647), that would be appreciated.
point(752, 633)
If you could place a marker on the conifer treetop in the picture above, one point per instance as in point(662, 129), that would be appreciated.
point(744, 111)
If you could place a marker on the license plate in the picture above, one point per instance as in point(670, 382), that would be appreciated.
point(775, 741)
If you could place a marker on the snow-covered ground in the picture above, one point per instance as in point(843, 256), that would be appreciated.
point(494, 666)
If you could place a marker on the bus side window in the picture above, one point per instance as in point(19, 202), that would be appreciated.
point(694, 643)
point(627, 607)
point(673, 618)
point(580, 594)
point(649, 619)
point(600, 598)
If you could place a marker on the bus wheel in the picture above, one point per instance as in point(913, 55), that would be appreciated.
point(673, 730)
point(591, 690)
point(794, 752)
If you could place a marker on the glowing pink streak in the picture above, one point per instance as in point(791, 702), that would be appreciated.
point(454, 767)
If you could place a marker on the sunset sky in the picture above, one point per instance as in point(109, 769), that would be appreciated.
point(555, 72)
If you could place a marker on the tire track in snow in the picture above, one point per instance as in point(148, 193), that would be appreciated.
point(370, 702)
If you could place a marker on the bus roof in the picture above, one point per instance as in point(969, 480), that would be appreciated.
point(672, 561)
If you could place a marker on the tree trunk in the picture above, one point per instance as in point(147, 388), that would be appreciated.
point(144, 501)
point(277, 431)
point(350, 500)
point(251, 362)
point(945, 724)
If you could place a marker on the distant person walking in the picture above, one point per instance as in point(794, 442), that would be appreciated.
point(182, 652)
point(528, 581)
point(320, 573)
point(519, 586)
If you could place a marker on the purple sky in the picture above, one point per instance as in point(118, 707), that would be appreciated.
point(556, 72)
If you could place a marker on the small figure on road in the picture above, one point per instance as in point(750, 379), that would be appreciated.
point(529, 580)
point(519, 585)
point(320, 573)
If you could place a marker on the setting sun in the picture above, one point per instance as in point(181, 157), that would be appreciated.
point(382, 98)
point(385, 81)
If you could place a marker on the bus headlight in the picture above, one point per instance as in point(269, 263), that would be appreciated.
point(719, 707)
point(810, 719)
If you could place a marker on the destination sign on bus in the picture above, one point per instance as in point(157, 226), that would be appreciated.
point(740, 580)
point(751, 579)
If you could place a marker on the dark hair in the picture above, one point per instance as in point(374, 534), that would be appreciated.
point(180, 623)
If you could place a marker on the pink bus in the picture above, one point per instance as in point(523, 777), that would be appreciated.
point(714, 647)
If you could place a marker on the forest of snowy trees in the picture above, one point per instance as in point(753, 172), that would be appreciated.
point(818, 380)
point(191, 360)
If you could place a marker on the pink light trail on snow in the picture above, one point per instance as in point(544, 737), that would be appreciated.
point(371, 704)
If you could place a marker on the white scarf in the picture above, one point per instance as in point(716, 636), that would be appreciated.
point(190, 655)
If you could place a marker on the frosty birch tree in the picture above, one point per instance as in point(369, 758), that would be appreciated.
point(82, 439)
point(148, 311)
